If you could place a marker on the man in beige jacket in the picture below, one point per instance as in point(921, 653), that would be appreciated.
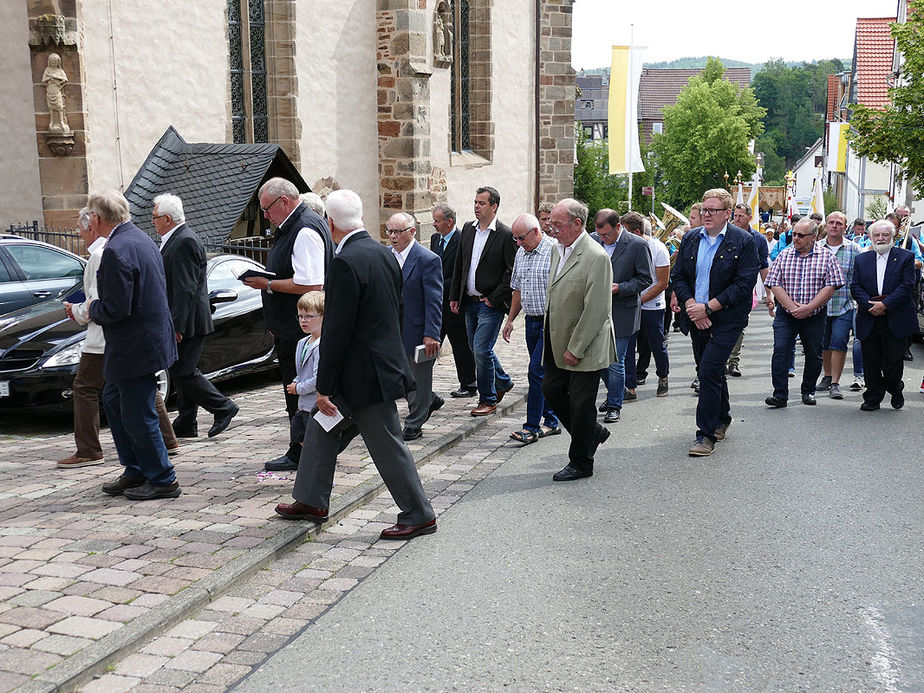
point(579, 338)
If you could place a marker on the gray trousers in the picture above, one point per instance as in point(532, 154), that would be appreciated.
point(418, 401)
point(381, 431)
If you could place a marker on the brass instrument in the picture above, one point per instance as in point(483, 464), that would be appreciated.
point(673, 220)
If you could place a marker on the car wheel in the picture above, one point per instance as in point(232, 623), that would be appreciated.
point(163, 383)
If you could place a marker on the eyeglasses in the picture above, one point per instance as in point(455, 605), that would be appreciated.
point(306, 318)
point(522, 238)
point(268, 207)
point(155, 217)
point(711, 211)
point(802, 235)
point(395, 232)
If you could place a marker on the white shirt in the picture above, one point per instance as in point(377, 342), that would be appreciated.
point(565, 253)
point(308, 258)
point(166, 236)
point(95, 343)
point(481, 237)
point(402, 256)
point(660, 257)
point(343, 240)
point(882, 262)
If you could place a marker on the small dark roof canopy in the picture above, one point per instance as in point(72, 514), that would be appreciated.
point(215, 181)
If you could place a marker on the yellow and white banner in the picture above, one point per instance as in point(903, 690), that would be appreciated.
point(625, 71)
point(753, 203)
point(837, 147)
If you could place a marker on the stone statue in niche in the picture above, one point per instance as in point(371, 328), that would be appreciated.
point(442, 35)
point(55, 79)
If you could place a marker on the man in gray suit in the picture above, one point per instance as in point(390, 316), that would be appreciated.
point(632, 274)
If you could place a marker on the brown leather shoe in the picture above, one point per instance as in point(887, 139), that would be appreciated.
point(501, 393)
point(408, 531)
point(300, 511)
point(74, 461)
point(484, 409)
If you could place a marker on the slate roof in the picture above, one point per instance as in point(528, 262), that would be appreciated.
point(593, 102)
point(660, 87)
point(873, 51)
point(215, 181)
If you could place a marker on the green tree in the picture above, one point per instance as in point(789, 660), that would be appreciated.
point(593, 183)
point(896, 134)
point(706, 134)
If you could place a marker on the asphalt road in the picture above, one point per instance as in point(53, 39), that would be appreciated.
point(790, 560)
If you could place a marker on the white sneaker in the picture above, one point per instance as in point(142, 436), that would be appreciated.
point(858, 384)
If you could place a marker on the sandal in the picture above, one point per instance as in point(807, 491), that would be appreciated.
point(525, 436)
point(549, 431)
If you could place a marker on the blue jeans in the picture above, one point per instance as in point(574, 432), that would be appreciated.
point(711, 349)
point(129, 406)
point(837, 331)
point(857, 351)
point(482, 324)
point(536, 406)
point(785, 329)
point(615, 375)
point(652, 329)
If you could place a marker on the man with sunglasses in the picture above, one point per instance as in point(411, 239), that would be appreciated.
point(803, 278)
point(713, 279)
point(302, 249)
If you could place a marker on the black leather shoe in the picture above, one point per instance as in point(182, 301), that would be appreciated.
point(603, 434)
point(436, 403)
point(186, 432)
point(412, 433)
point(464, 392)
point(602, 408)
point(222, 420)
point(148, 491)
point(775, 402)
point(869, 406)
point(640, 380)
point(898, 400)
point(116, 488)
point(809, 398)
point(907, 355)
point(570, 473)
point(612, 416)
point(281, 464)
point(733, 371)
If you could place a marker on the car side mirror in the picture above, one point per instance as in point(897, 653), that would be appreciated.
point(222, 296)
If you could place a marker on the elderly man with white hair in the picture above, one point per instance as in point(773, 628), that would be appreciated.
point(882, 286)
point(185, 269)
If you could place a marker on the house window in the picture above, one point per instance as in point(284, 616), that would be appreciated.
point(247, 52)
point(657, 128)
point(460, 96)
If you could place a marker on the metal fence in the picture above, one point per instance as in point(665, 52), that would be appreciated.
point(253, 247)
point(59, 236)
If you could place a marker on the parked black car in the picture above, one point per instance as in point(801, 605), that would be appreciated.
point(32, 271)
point(40, 346)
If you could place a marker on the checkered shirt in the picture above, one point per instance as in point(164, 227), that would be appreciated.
point(531, 276)
point(846, 253)
point(802, 277)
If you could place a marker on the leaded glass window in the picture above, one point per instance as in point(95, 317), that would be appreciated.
point(247, 55)
point(461, 110)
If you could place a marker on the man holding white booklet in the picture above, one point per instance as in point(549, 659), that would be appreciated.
point(361, 365)
point(422, 290)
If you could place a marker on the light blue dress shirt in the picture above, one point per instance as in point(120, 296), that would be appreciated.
point(704, 256)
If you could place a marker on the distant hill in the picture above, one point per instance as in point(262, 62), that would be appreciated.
point(699, 63)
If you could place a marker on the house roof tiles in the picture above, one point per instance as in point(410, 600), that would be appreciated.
point(873, 51)
point(660, 87)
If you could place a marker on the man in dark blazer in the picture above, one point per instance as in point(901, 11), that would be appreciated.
point(630, 257)
point(132, 309)
point(185, 268)
point(422, 292)
point(713, 282)
point(362, 366)
point(882, 285)
point(481, 291)
point(445, 243)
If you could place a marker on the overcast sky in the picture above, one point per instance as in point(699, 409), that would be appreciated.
point(750, 31)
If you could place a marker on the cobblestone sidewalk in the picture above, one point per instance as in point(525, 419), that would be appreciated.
point(86, 578)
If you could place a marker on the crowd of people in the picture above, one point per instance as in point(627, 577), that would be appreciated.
point(358, 325)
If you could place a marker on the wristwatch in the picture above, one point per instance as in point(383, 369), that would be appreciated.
point(709, 310)
point(269, 286)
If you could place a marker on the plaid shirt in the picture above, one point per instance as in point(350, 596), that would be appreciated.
point(846, 253)
point(531, 276)
point(802, 277)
